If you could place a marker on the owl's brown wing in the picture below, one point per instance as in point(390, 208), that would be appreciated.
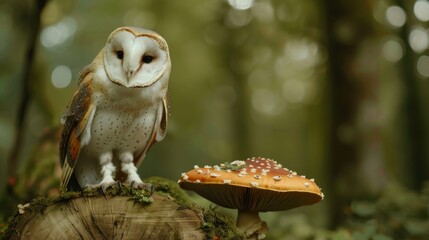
point(159, 130)
point(76, 118)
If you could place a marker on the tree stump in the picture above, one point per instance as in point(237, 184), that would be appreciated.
point(119, 214)
point(110, 217)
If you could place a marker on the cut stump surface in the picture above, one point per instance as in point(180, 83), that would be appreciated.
point(110, 217)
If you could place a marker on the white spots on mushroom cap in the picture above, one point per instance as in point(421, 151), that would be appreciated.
point(227, 181)
point(196, 167)
point(277, 178)
point(185, 177)
point(197, 181)
point(240, 175)
point(228, 170)
point(253, 170)
point(199, 171)
point(312, 180)
point(257, 176)
point(254, 184)
point(207, 166)
point(216, 167)
point(214, 175)
point(306, 184)
point(323, 195)
point(303, 176)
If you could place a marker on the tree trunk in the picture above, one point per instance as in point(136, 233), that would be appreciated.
point(355, 147)
point(109, 217)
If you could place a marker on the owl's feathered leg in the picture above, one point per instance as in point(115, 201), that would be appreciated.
point(128, 167)
point(107, 170)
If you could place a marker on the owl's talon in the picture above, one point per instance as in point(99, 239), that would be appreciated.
point(119, 185)
point(152, 189)
point(103, 186)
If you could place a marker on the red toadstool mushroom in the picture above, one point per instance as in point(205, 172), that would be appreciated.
point(252, 186)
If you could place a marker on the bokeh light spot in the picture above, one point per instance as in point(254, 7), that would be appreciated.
point(396, 16)
point(263, 11)
point(419, 39)
point(392, 50)
point(61, 76)
point(59, 33)
point(241, 4)
point(423, 66)
point(421, 10)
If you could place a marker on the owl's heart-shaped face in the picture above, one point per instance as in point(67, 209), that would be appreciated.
point(136, 57)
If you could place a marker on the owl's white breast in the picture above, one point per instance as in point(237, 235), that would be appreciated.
point(124, 117)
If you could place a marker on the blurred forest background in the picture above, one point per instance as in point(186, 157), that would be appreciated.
point(335, 90)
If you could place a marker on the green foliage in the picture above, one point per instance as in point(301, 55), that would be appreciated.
point(398, 213)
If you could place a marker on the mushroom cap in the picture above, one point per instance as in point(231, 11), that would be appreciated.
point(256, 184)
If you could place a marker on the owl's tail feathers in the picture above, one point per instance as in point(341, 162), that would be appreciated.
point(66, 175)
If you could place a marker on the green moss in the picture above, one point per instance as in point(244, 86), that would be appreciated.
point(232, 167)
point(171, 188)
point(219, 225)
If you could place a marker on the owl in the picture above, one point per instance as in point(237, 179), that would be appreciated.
point(118, 112)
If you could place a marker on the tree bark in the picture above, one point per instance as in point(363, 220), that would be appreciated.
point(109, 217)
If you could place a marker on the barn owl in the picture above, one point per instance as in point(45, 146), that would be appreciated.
point(118, 112)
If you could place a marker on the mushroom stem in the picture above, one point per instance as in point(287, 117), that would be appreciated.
point(251, 225)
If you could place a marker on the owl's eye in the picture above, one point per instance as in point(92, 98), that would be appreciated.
point(147, 59)
point(120, 54)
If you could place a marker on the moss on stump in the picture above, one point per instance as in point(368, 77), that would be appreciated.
point(120, 214)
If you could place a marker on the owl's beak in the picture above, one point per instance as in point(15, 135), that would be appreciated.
point(130, 73)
